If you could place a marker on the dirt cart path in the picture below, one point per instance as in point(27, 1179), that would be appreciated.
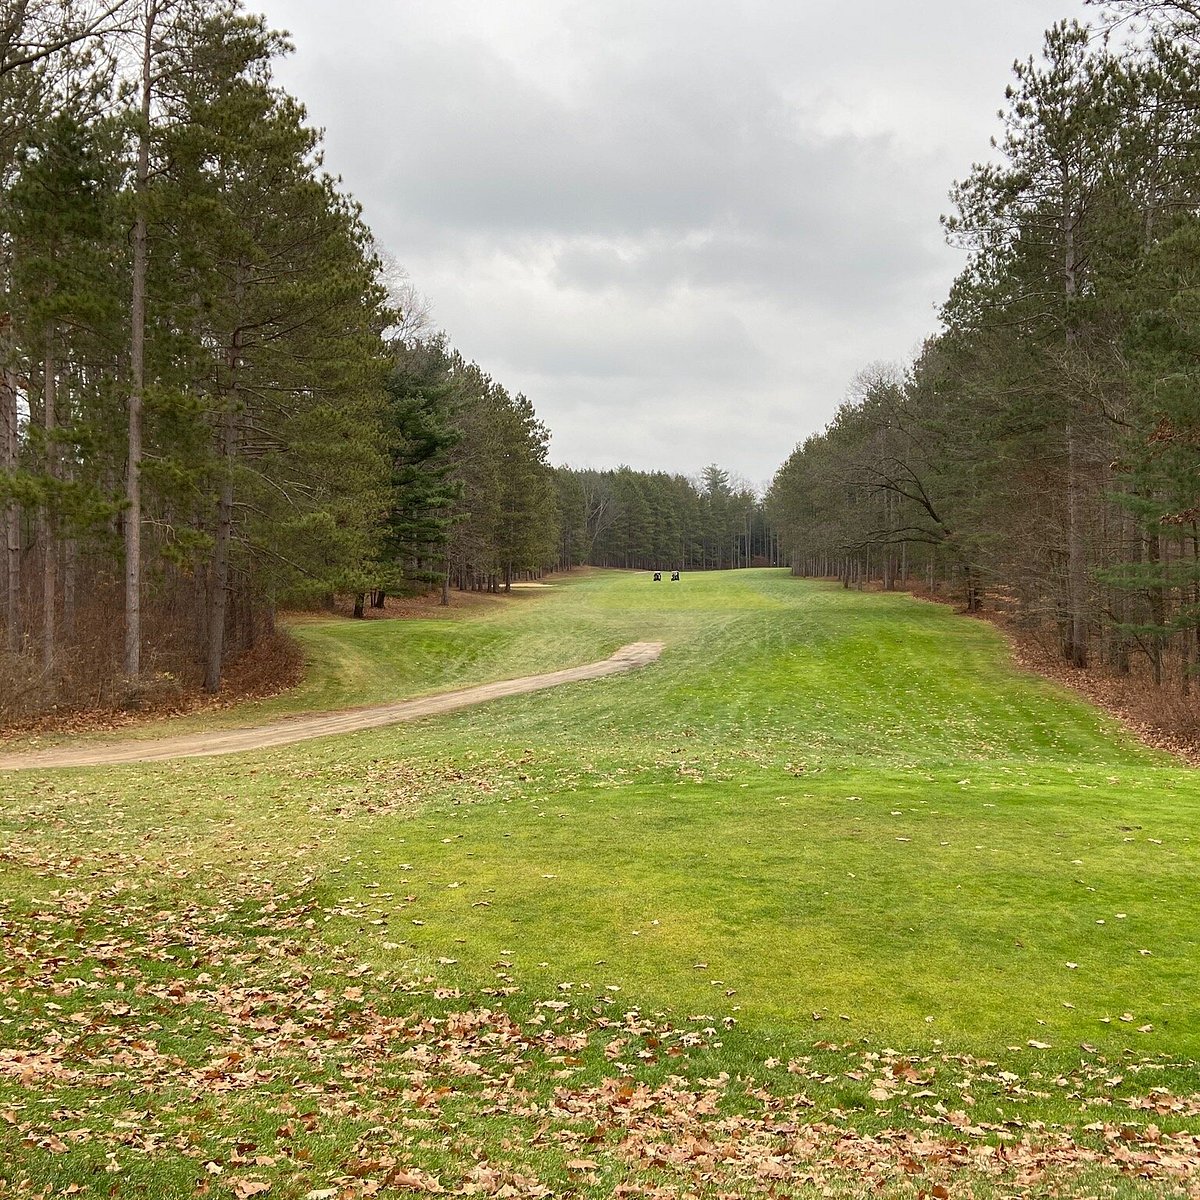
point(302, 728)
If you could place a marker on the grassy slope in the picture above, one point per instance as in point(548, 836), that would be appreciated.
point(842, 805)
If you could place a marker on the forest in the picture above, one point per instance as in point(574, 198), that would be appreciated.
point(220, 396)
point(654, 520)
point(1043, 450)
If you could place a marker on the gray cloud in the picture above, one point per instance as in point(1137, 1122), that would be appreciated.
point(680, 227)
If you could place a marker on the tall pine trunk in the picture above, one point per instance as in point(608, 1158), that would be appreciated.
point(70, 571)
point(137, 367)
point(218, 598)
point(49, 544)
point(1158, 606)
point(1077, 646)
point(9, 446)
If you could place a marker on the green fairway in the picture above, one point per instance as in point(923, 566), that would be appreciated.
point(843, 804)
point(825, 826)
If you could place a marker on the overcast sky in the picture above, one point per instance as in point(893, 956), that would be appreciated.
point(681, 227)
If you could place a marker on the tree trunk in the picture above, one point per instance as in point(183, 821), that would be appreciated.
point(219, 596)
point(9, 446)
point(70, 567)
point(1195, 591)
point(49, 547)
point(1077, 645)
point(1158, 606)
point(137, 367)
point(1077, 583)
point(1185, 661)
point(70, 571)
point(973, 600)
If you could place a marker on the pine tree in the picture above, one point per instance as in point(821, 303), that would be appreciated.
point(419, 433)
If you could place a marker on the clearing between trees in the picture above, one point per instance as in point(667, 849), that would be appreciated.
point(833, 897)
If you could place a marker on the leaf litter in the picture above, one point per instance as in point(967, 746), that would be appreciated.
point(207, 1035)
point(137, 1035)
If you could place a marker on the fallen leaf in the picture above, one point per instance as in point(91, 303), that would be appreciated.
point(245, 1188)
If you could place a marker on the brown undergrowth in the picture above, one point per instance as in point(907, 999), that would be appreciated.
point(1157, 716)
point(428, 605)
point(274, 664)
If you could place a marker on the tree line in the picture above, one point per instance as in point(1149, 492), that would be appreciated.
point(212, 403)
point(1044, 447)
point(655, 520)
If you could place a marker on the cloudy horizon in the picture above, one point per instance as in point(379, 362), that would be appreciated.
point(680, 229)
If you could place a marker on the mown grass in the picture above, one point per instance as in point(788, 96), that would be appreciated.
point(892, 824)
point(824, 825)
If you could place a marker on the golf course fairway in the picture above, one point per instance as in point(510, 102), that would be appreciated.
point(831, 861)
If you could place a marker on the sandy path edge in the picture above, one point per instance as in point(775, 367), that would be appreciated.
point(315, 725)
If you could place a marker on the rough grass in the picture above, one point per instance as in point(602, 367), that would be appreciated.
point(827, 834)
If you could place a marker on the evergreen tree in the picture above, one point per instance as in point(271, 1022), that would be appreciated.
point(419, 434)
